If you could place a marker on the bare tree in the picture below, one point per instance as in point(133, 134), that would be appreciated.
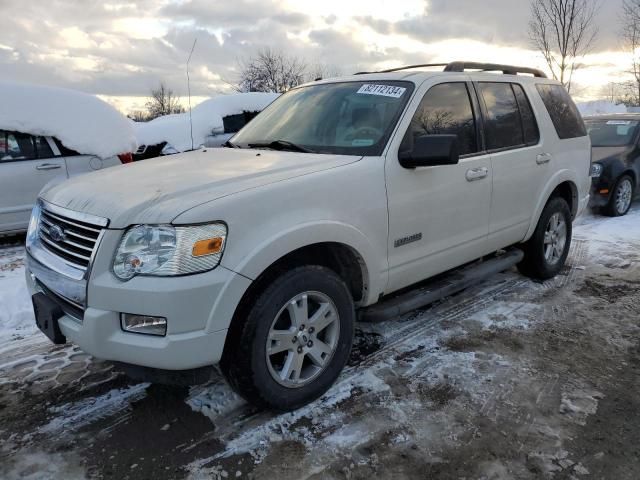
point(324, 70)
point(564, 32)
point(139, 116)
point(163, 102)
point(631, 41)
point(270, 71)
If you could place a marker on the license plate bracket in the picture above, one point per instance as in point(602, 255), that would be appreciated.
point(47, 313)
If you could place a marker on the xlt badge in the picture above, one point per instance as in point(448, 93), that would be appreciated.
point(401, 242)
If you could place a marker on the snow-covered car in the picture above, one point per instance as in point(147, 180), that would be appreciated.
point(28, 163)
point(48, 135)
point(341, 197)
point(615, 141)
point(210, 124)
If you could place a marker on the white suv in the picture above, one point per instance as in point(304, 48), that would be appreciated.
point(259, 256)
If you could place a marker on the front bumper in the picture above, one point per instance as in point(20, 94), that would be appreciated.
point(198, 308)
point(599, 199)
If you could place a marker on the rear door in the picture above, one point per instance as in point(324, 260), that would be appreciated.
point(27, 164)
point(519, 163)
point(438, 216)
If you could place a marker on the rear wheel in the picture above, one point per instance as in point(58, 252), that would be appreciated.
point(621, 197)
point(295, 340)
point(546, 252)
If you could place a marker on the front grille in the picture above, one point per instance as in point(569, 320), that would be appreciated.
point(72, 240)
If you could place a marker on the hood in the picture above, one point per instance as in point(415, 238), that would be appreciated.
point(158, 190)
point(602, 153)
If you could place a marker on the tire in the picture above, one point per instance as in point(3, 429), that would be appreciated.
point(621, 197)
point(278, 312)
point(537, 262)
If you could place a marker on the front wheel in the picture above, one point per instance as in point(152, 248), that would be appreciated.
point(295, 340)
point(546, 251)
point(621, 197)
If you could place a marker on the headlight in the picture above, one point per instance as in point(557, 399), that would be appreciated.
point(34, 224)
point(596, 170)
point(166, 251)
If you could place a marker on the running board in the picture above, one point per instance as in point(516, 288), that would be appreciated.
point(452, 282)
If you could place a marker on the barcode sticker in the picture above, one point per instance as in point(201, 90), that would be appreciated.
point(383, 90)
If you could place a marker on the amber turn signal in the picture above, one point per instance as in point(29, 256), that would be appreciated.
point(210, 246)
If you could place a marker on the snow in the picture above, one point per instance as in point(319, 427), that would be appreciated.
point(80, 121)
point(600, 107)
point(16, 312)
point(207, 120)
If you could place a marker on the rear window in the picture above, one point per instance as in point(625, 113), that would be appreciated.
point(64, 151)
point(503, 126)
point(529, 124)
point(563, 112)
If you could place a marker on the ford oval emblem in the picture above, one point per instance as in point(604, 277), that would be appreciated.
point(57, 233)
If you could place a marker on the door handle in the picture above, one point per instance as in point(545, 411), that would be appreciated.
point(477, 174)
point(48, 166)
point(543, 158)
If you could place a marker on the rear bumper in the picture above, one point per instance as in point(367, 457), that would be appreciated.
point(582, 204)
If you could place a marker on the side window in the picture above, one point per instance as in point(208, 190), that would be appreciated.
point(445, 110)
point(64, 151)
point(503, 128)
point(563, 112)
point(18, 146)
point(529, 123)
point(42, 148)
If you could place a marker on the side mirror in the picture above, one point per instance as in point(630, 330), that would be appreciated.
point(431, 150)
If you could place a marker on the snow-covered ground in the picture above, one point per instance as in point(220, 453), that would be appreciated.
point(600, 107)
point(510, 379)
point(206, 118)
point(82, 122)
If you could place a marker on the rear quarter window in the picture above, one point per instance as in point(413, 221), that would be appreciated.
point(563, 112)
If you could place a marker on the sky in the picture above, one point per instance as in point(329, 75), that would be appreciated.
point(119, 50)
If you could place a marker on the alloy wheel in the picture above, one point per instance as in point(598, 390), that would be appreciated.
point(302, 339)
point(555, 238)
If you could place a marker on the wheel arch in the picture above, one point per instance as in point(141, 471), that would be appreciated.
point(341, 258)
point(563, 184)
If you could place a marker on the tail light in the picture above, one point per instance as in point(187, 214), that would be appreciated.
point(126, 157)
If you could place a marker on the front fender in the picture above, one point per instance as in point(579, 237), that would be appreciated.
point(273, 248)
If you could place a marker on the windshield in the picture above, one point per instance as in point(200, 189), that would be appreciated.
point(350, 118)
point(612, 133)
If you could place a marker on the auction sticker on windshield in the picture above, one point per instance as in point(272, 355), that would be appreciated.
point(384, 90)
point(618, 122)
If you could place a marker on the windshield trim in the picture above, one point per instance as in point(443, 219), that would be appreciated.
point(375, 150)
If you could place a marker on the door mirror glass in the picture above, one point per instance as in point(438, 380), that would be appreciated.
point(430, 151)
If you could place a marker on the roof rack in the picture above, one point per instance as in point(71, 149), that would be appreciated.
point(464, 66)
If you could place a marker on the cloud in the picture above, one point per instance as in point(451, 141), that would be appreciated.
point(123, 48)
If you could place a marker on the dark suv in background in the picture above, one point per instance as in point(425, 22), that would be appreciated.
point(616, 161)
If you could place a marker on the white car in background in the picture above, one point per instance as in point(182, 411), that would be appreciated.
point(48, 135)
point(28, 163)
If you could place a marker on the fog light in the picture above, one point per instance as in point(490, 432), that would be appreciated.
point(143, 324)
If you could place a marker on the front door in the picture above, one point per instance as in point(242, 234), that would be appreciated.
point(27, 164)
point(438, 216)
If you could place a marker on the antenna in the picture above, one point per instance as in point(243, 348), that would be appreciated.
point(189, 89)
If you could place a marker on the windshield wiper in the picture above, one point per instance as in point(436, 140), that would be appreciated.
point(228, 144)
point(281, 145)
